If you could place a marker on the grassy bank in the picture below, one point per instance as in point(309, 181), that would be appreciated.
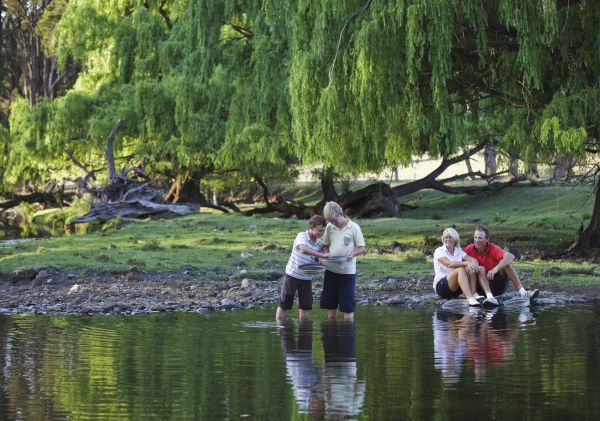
point(532, 220)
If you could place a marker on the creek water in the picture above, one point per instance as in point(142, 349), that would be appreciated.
point(389, 364)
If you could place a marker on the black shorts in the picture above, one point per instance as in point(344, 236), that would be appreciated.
point(288, 292)
point(443, 289)
point(338, 292)
point(498, 285)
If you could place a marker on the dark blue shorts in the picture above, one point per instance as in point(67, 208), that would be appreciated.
point(338, 292)
point(443, 289)
point(498, 285)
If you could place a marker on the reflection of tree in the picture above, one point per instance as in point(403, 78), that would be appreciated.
point(161, 367)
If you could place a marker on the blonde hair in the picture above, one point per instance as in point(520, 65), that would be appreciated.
point(332, 210)
point(452, 233)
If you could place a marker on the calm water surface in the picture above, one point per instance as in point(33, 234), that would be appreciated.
point(390, 364)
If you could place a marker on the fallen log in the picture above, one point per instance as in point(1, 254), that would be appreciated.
point(125, 197)
point(104, 211)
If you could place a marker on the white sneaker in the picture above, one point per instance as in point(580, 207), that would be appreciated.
point(491, 302)
point(530, 294)
point(473, 301)
point(478, 297)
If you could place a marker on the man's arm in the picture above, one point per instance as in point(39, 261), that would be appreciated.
point(506, 260)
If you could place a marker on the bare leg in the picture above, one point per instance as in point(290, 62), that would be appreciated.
point(472, 281)
point(331, 314)
point(348, 317)
point(458, 278)
point(303, 315)
point(510, 272)
point(280, 314)
point(483, 281)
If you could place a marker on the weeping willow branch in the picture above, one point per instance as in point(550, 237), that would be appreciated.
point(348, 19)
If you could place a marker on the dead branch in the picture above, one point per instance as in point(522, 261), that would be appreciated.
point(110, 155)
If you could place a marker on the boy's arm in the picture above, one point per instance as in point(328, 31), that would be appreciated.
point(315, 253)
point(357, 252)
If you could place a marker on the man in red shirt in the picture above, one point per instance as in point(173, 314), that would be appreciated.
point(497, 263)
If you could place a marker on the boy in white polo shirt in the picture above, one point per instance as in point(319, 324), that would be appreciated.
point(342, 238)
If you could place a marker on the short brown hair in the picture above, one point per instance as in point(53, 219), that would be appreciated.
point(315, 221)
point(483, 230)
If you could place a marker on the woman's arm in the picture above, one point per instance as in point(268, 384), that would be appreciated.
point(452, 264)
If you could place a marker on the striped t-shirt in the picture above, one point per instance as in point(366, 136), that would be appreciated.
point(298, 258)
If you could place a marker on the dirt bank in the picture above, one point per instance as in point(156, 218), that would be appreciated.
point(53, 290)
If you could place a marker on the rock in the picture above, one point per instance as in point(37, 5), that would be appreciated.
point(246, 255)
point(47, 272)
point(26, 274)
point(553, 271)
point(228, 304)
point(245, 283)
point(75, 288)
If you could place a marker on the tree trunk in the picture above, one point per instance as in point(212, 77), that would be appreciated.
point(589, 237)
point(467, 162)
point(534, 175)
point(110, 155)
point(489, 154)
point(514, 167)
point(327, 185)
point(375, 200)
point(559, 170)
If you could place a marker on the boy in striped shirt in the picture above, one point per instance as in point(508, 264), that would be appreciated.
point(307, 248)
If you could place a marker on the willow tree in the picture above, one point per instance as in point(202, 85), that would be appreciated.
point(116, 43)
point(400, 78)
point(197, 83)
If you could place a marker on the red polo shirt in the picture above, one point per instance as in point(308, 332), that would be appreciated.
point(490, 258)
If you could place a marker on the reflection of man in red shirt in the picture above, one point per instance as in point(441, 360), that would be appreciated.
point(487, 347)
point(496, 261)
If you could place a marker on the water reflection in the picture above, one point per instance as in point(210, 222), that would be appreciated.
point(481, 340)
point(302, 373)
point(332, 389)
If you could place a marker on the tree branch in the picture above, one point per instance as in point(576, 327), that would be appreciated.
point(337, 50)
point(110, 155)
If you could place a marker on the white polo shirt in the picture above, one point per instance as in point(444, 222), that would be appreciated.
point(441, 270)
point(342, 242)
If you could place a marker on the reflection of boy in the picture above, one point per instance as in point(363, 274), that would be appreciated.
point(344, 393)
point(304, 376)
point(342, 238)
point(307, 247)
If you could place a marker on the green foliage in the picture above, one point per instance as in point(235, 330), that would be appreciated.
point(261, 88)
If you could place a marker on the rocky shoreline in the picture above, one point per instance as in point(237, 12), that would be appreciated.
point(52, 290)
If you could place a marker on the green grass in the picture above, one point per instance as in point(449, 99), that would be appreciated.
point(530, 219)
